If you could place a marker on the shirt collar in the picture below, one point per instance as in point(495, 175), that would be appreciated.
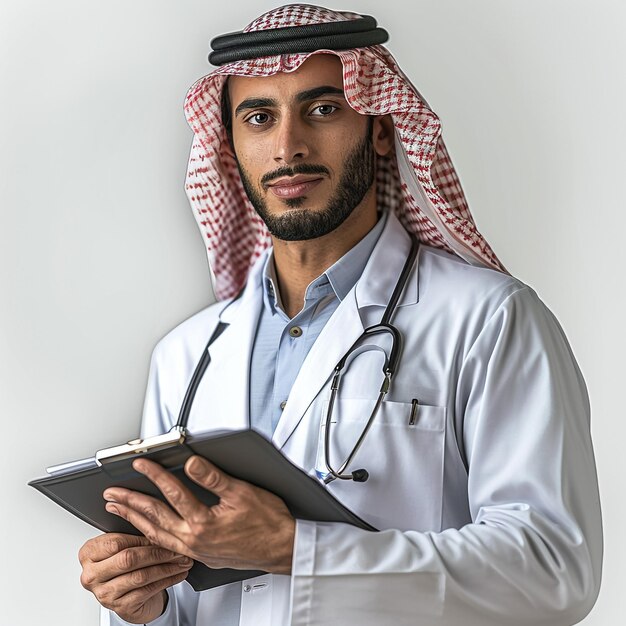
point(341, 276)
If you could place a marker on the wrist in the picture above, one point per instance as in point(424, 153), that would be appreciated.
point(166, 599)
point(285, 547)
point(155, 609)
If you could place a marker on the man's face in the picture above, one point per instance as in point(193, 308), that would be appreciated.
point(305, 157)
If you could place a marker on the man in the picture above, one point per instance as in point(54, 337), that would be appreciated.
point(477, 468)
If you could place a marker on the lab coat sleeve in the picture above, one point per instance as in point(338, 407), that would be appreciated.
point(532, 554)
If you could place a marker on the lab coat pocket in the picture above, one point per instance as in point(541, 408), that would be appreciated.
point(403, 453)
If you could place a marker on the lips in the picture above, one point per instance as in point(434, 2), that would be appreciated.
point(294, 187)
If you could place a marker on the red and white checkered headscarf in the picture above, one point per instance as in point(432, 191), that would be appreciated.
point(419, 182)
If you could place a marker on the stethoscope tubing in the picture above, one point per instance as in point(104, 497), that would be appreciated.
point(389, 369)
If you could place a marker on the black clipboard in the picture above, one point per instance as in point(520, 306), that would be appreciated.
point(246, 455)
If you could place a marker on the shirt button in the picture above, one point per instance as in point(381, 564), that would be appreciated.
point(283, 404)
point(295, 331)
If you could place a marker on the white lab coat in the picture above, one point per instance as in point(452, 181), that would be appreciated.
point(488, 505)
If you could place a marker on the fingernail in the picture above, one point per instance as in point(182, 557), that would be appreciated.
point(138, 466)
point(108, 497)
point(112, 509)
point(197, 467)
point(184, 561)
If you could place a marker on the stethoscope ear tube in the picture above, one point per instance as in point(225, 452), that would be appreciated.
point(190, 394)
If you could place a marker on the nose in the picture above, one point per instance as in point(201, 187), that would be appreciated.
point(291, 143)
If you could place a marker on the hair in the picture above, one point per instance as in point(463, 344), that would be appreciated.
point(227, 114)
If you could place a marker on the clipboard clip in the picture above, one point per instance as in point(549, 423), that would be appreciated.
point(135, 447)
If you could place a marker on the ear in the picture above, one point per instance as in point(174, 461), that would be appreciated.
point(383, 134)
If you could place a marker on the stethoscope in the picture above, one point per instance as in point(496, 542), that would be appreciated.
point(390, 365)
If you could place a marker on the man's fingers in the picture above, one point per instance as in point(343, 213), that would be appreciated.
point(152, 509)
point(179, 497)
point(129, 594)
point(138, 596)
point(160, 532)
point(105, 546)
point(122, 585)
point(147, 556)
point(131, 580)
point(208, 476)
point(132, 560)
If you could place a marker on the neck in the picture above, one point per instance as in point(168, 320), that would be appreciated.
point(300, 262)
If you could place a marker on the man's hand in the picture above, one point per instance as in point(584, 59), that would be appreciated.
point(129, 575)
point(249, 528)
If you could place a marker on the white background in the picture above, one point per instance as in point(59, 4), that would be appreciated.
point(100, 256)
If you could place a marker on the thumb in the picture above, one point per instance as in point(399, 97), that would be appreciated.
point(208, 476)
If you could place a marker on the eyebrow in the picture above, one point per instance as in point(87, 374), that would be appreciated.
point(317, 92)
point(255, 103)
point(303, 96)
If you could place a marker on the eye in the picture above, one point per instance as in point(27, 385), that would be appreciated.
point(258, 119)
point(323, 110)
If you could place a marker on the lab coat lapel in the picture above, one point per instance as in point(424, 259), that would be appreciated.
point(228, 375)
point(373, 289)
point(340, 332)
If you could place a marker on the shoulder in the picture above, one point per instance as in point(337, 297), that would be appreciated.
point(466, 300)
point(448, 279)
point(442, 270)
point(188, 339)
point(492, 319)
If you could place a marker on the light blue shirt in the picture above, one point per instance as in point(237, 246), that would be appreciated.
point(281, 344)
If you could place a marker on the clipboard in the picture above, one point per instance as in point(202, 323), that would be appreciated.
point(77, 486)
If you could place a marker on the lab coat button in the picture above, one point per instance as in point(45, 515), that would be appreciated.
point(283, 404)
point(295, 331)
point(247, 588)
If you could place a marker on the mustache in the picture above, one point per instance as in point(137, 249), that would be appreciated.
point(304, 168)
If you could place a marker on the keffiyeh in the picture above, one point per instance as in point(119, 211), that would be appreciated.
point(418, 182)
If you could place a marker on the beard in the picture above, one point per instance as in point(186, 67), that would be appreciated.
point(301, 224)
